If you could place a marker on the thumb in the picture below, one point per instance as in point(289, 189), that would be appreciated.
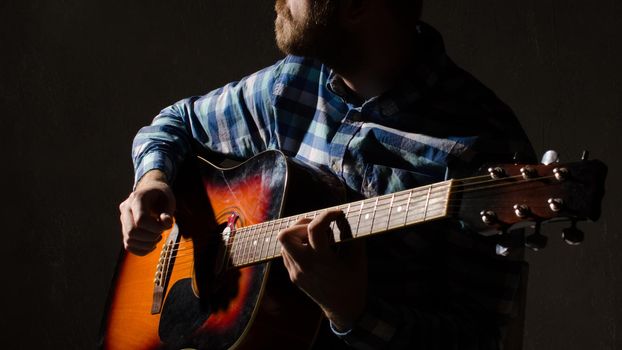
point(166, 219)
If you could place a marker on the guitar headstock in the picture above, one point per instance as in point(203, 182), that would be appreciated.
point(511, 196)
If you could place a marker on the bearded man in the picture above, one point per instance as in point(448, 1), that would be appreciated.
point(367, 93)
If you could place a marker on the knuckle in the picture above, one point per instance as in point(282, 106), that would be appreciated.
point(313, 226)
point(296, 276)
point(282, 235)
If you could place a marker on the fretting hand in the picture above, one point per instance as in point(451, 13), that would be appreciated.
point(335, 280)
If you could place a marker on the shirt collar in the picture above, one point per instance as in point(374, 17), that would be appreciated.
point(423, 74)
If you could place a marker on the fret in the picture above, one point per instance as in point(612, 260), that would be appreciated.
point(398, 209)
point(353, 217)
point(373, 215)
point(241, 247)
point(410, 195)
point(390, 209)
point(347, 215)
point(427, 202)
point(430, 207)
point(437, 205)
point(231, 249)
point(259, 242)
point(380, 214)
point(274, 248)
point(237, 250)
point(272, 231)
point(417, 204)
point(271, 237)
point(277, 248)
point(252, 247)
point(367, 213)
point(254, 232)
point(265, 244)
point(252, 242)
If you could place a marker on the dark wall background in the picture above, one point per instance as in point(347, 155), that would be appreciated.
point(78, 78)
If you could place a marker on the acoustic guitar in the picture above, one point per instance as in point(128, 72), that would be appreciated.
point(212, 283)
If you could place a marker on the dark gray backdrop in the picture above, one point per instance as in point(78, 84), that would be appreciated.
point(78, 78)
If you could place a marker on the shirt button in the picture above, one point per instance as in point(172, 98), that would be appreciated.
point(334, 165)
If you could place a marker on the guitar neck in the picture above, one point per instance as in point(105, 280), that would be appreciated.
point(258, 243)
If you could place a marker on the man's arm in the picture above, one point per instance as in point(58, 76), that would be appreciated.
point(234, 121)
point(469, 316)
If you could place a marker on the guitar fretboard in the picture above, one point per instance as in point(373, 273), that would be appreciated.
point(258, 243)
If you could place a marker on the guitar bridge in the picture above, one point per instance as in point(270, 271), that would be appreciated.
point(164, 269)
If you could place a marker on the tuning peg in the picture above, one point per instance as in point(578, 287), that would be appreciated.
point(502, 250)
point(536, 241)
point(572, 235)
point(585, 155)
point(550, 157)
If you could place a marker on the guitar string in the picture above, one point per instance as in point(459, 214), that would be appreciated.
point(243, 238)
point(261, 226)
point(370, 227)
point(246, 259)
point(379, 218)
point(247, 249)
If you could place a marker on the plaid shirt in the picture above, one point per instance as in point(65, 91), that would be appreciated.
point(426, 290)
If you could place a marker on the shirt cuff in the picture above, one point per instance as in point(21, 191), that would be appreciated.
point(151, 161)
point(338, 333)
point(375, 329)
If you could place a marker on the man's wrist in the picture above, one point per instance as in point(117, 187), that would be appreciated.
point(153, 175)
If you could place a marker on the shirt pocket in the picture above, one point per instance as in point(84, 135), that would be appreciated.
point(381, 179)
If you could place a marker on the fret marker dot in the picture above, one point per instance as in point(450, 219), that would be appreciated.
point(254, 242)
point(366, 216)
point(399, 208)
point(267, 239)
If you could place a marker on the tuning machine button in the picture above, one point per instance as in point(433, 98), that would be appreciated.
point(528, 172)
point(572, 235)
point(521, 210)
point(502, 250)
point(550, 157)
point(556, 204)
point(496, 172)
point(488, 217)
point(561, 174)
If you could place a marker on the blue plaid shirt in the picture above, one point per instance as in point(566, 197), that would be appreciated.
point(437, 121)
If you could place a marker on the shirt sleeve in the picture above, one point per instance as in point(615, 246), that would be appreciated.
point(235, 121)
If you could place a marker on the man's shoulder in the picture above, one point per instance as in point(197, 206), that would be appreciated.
point(293, 68)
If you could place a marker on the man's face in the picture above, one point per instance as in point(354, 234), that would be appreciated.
point(305, 27)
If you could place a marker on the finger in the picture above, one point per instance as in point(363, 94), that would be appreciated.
point(320, 231)
point(127, 222)
point(293, 269)
point(303, 221)
point(143, 217)
point(144, 236)
point(166, 220)
point(294, 240)
point(345, 231)
point(139, 250)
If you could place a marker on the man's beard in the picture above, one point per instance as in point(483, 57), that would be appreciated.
point(316, 35)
